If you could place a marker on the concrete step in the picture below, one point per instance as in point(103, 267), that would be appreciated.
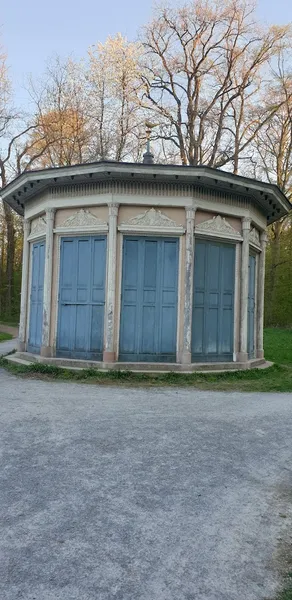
point(16, 360)
point(78, 365)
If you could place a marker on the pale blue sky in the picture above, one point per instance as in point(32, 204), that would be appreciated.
point(34, 30)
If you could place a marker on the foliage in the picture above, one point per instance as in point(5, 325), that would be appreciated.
point(278, 306)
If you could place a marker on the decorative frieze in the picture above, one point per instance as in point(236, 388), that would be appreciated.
point(38, 228)
point(146, 188)
point(83, 220)
point(151, 221)
point(217, 227)
point(254, 238)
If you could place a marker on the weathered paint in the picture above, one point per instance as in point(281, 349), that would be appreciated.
point(109, 354)
point(82, 297)
point(213, 308)
point(188, 299)
point(149, 299)
point(24, 287)
point(45, 349)
point(251, 306)
point(243, 354)
point(36, 297)
point(260, 297)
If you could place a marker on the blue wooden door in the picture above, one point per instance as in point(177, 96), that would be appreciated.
point(81, 297)
point(213, 305)
point(251, 306)
point(149, 300)
point(36, 297)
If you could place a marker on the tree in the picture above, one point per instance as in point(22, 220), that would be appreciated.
point(114, 81)
point(273, 159)
point(61, 133)
point(7, 117)
point(203, 63)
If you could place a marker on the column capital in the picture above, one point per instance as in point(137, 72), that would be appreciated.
point(113, 208)
point(26, 226)
point(190, 212)
point(50, 213)
point(245, 223)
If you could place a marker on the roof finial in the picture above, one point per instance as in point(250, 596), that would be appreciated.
point(148, 157)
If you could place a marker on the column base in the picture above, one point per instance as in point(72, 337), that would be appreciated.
point(109, 357)
point(242, 356)
point(46, 351)
point(186, 358)
point(21, 346)
point(260, 354)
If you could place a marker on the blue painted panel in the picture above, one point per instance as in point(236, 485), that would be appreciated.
point(251, 306)
point(81, 297)
point(149, 300)
point(36, 298)
point(213, 304)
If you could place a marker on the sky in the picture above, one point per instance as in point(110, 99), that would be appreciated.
point(35, 30)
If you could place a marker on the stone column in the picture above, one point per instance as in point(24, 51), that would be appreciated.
point(243, 354)
point(109, 353)
point(260, 298)
point(46, 350)
point(24, 287)
point(189, 276)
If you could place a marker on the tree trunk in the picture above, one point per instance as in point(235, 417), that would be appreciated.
point(275, 260)
point(10, 252)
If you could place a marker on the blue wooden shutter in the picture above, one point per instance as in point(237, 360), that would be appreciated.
point(168, 300)
point(251, 306)
point(36, 297)
point(132, 258)
point(82, 297)
point(149, 300)
point(213, 304)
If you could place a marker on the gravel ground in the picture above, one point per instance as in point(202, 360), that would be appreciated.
point(141, 494)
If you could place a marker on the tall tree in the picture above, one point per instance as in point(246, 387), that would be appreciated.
point(114, 82)
point(61, 134)
point(273, 161)
point(7, 118)
point(202, 64)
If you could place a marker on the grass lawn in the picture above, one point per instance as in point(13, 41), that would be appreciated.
point(5, 336)
point(278, 378)
point(285, 595)
point(278, 346)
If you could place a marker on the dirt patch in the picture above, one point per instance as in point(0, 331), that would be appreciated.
point(9, 329)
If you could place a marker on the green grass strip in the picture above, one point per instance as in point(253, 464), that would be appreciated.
point(5, 336)
point(275, 378)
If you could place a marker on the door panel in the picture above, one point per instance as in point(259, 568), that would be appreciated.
point(36, 298)
point(251, 306)
point(82, 297)
point(213, 305)
point(149, 300)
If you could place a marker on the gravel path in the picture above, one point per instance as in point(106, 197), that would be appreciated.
point(155, 494)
